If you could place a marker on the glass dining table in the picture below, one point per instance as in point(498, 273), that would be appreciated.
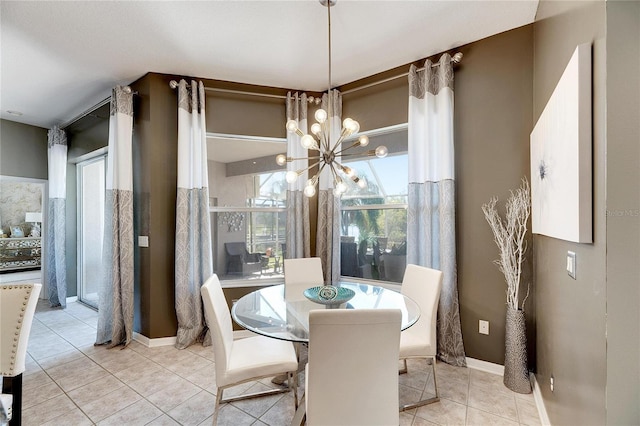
point(268, 312)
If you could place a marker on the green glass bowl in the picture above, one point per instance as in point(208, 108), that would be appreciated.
point(329, 295)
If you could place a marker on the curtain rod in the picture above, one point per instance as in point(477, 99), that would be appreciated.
point(92, 109)
point(456, 59)
point(174, 84)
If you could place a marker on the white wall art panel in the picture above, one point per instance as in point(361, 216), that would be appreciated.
point(561, 183)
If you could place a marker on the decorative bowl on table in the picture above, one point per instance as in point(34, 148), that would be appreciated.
point(329, 295)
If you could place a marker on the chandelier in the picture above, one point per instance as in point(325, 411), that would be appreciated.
point(329, 152)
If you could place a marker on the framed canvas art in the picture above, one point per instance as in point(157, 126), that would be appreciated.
point(561, 170)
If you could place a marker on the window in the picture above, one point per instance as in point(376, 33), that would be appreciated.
point(374, 219)
point(248, 209)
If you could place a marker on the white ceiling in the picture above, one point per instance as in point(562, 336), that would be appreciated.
point(59, 58)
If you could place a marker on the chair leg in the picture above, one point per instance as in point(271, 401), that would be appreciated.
point(404, 369)
point(428, 400)
point(293, 384)
point(13, 385)
point(217, 406)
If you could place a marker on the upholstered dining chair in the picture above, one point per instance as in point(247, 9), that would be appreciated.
point(17, 307)
point(300, 274)
point(352, 374)
point(423, 285)
point(243, 360)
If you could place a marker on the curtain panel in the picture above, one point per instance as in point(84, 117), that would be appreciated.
point(56, 277)
point(431, 212)
point(328, 231)
point(298, 230)
point(115, 303)
point(193, 260)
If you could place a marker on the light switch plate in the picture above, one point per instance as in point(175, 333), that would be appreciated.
point(143, 241)
point(571, 264)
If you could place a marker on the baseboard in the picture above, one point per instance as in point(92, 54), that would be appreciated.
point(154, 343)
point(489, 367)
point(72, 299)
point(537, 396)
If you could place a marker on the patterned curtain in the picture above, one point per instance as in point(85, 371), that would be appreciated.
point(297, 204)
point(55, 242)
point(431, 239)
point(115, 303)
point(328, 233)
point(193, 228)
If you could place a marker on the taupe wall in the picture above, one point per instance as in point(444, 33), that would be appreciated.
point(23, 150)
point(493, 119)
point(570, 314)
point(623, 212)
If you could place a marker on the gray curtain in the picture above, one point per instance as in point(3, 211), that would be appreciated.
point(328, 232)
point(56, 277)
point(115, 302)
point(193, 229)
point(298, 230)
point(431, 239)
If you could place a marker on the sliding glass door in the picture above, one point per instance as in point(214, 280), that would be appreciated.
point(91, 194)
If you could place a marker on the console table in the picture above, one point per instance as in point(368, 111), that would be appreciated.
point(20, 253)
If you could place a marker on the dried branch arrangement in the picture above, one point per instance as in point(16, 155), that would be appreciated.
point(509, 234)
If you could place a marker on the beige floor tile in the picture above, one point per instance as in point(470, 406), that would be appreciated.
point(231, 416)
point(527, 411)
point(501, 404)
point(39, 394)
point(195, 410)
point(452, 388)
point(281, 412)
point(95, 390)
point(134, 373)
point(75, 381)
point(408, 395)
point(444, 412)
point(109, 404)
point(123, 361)
point(140, 413)
point(491, 383)
point(47, 410)
point(172, 396)
point(417, 377)
point(60, 359)
point(74, 417)
point(481, 418)
point(164, 420)
point(418, 421)
point(79, 366)
point(35, 380)
point(205, 378)
point(149, 385)
point(406, 419)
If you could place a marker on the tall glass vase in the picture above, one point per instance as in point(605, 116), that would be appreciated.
point(516, 372)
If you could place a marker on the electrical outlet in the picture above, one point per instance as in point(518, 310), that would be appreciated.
point(551, 383)
point(483, 327)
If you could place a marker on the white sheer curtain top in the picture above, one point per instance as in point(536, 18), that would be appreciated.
point(120, 158)
point(57, 163)
point(431, 134)
point(335, 123)
point(192, 157)
point(297, 110)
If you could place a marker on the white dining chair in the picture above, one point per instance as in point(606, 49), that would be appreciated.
point(352, 374)
point(300, 274)
point(243, 360)
point(423, 285)
point(17, 307)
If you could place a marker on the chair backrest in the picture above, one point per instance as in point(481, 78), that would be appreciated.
point(236, 249)
point(300, 274)
point(353, 367)
point(423, 285)
point(17, 307)
point(220, 325)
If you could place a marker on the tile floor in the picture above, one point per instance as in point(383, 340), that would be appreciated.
point(71, 382)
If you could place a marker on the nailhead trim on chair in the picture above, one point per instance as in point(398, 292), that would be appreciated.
point(18, 327)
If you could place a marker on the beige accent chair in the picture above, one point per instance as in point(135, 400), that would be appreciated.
point(300, 274)
point(352, 375)
point(243, 360)
point(17, 307)
point(423, 285)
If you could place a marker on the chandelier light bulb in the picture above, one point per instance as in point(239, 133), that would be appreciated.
point(362, 183)
point(321, 115)
point(381, 151)
point(349, 171)
point(281, 159)
point(310, 190)
point(292, 126)
point(364, 140)
point(291, 176)
point(307, 141)
point(347, 123)
point(341, 187)
point(316, 128)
